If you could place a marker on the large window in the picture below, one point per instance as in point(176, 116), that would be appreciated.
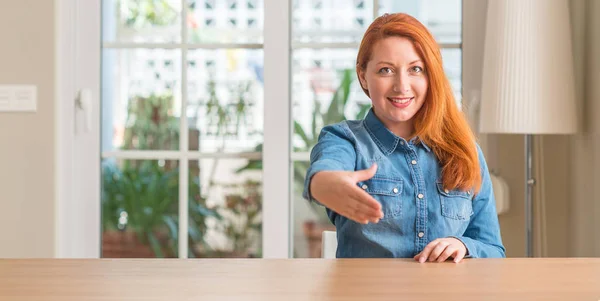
point(183, 102)
point(182, 96)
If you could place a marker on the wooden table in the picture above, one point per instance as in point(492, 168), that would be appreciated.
point(299, 279)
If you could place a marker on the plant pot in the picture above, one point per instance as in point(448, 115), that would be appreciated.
point(125, 244)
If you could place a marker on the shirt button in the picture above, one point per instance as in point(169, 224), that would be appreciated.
point(421, 234)
point(413, 162)
point(402, 142)
point(420, 195)
point(446, 190)
point(364, 186)
point(395, 190)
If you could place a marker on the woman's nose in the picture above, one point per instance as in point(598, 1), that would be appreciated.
point(401, 84)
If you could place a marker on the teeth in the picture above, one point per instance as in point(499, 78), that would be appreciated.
point(401, 101)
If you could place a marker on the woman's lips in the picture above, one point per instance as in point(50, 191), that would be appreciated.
point(401, 102)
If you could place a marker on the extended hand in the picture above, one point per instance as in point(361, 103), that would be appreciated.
point(337, 190)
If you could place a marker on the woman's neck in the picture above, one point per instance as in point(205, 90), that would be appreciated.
point(405, 131)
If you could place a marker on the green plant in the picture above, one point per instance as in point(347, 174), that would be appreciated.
point(143, 196)
point(227, 118)
point(242, 210)
point(151, 124)
point(242, 217)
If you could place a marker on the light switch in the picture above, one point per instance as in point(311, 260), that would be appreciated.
point(18, 98)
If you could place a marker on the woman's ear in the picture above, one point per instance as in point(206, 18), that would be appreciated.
point(361, 77)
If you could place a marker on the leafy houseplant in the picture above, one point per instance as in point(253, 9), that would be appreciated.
point(241, 212)
point(143, 200)
point(140, 198)
point(241, 219)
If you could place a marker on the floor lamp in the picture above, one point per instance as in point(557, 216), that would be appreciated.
point(528, 80)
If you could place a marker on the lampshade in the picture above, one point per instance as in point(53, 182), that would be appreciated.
point(528, 81)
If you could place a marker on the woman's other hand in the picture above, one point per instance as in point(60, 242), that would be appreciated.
point(441, 249)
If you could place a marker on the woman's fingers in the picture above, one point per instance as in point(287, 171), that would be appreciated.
point(460, 254)
point(356, 210)
point(366, 202)
point(437, 251)
point(449, 251)
point(441, 249)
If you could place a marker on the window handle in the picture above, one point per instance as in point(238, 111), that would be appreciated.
point(84, 103)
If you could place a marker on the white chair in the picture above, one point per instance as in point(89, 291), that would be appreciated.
point(328, 244)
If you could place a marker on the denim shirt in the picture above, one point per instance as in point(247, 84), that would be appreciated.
point(416, 207)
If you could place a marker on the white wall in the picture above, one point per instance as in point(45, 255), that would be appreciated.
point(27, 139)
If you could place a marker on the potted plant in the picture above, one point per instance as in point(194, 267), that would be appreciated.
point(241, 220)
point(140, 198)
point(140, 212)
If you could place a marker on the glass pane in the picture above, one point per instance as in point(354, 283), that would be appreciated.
point(317, 75)
point(225, 104)
point(442, 17)
point(230, 21)
point(141, 98)
point(157, 21)
point(140, 205)
point(309, 221)
point(225, 208)
point(453, 66)
point(330, 20)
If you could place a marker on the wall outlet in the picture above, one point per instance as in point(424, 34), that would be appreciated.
point(18, 98)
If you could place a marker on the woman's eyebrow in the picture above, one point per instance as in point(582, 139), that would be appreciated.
point(389, 63)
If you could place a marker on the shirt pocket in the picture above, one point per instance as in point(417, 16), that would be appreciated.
point(455, 204)
point(387, 192)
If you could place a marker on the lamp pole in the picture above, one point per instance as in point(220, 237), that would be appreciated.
point(529, 182)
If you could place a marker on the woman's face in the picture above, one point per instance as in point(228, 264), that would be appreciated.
point(397, 82)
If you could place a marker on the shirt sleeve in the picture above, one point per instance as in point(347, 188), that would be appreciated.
point(482, 237)
point(333, 151)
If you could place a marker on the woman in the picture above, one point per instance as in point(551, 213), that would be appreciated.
point(409, 179)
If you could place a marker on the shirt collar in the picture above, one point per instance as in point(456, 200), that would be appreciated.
point(385, 139)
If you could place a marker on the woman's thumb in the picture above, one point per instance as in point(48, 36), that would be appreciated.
point(365, 174)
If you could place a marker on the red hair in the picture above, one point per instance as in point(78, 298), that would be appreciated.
point(439, 123)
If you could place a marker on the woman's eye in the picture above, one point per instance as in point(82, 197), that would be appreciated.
point(385, 70)
point(417, 69)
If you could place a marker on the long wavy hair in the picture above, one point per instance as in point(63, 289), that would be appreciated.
point(439, 123)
